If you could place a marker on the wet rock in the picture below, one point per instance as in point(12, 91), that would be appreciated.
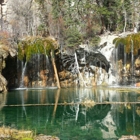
point(93, 58)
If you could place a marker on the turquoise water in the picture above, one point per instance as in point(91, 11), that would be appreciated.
point(73, 114)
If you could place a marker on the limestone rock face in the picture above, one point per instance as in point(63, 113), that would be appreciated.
point(3, 55)
point(3, 82)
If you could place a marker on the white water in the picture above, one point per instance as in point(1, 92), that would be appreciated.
point(38, 65)
point(132, 62)
point(107, 52)
point(77, 67)
point(47, 61)
point(22, 76)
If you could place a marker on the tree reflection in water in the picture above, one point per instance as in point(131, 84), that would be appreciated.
point(74, 113)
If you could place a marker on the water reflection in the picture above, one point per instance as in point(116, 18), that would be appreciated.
point(2, 100)
point(74, 113)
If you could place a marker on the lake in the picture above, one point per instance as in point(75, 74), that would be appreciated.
point(73, 113)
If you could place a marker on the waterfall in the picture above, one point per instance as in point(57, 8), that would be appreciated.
point(125, 58)
point(22, 75)
point(19, 71)
point(38, 65)
point(125, 71)
point(77, 67)
point(47, 61)
point(48, 67)
point(116, 62)
point(132, 62)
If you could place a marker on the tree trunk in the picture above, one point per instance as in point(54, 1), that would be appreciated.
point(55, 69)
point(125, 19)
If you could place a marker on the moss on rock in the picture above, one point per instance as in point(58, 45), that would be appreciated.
point(34, 45)
point(131, 40)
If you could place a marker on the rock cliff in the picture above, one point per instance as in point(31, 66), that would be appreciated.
point(4, 53)
point(17, 19)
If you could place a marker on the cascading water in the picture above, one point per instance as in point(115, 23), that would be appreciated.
point(47, 61)
point(77, 67)
point(38, 67)
point(22, 75)
point(116, 61)
point(132, 63)
point(124, 60)
point(90, 67)
point(36, 73)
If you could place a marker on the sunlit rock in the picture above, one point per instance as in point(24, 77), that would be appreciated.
point(137, 62)
point(137, 84)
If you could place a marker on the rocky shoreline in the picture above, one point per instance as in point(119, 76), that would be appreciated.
point(13, 134)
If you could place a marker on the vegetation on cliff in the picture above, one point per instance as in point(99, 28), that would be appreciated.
point(85, 20)
point(72, 22)
point(131, 43)
point(35, 45)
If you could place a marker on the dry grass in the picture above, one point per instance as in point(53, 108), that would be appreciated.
point(13, 134)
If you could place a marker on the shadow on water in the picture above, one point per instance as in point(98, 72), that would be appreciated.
point(73, 114)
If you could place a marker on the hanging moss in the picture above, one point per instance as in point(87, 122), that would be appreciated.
point(35, 45)
point(128, 44)
point(128, 41)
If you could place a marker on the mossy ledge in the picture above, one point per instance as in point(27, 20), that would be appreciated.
point(131, 40)
point(35, 45)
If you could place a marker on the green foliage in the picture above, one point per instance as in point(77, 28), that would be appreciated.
point(41, 27)
point(95, 41)
point(73, 37)
point(132, 40)
point(40, 1)
point(88, 17)
point(35, 45)
point(104, 11)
